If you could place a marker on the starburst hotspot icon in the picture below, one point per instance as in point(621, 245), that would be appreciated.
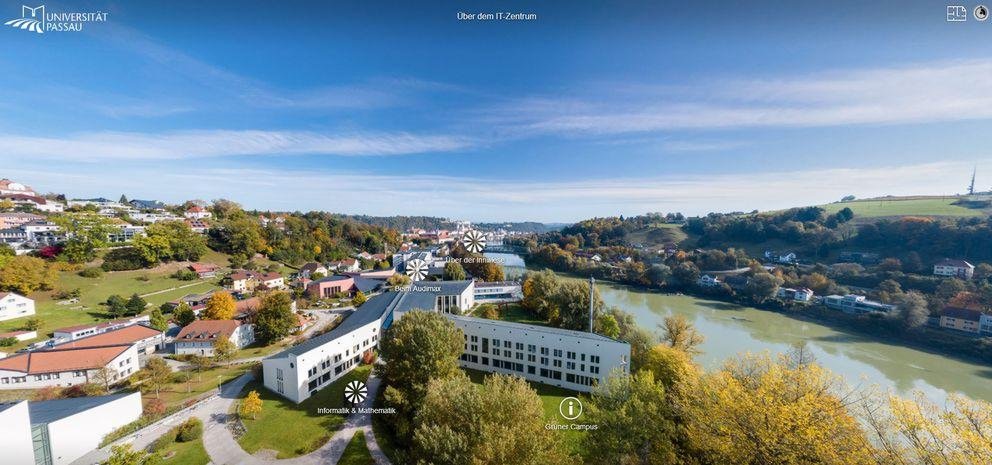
point(416, 269)
point(355, 392)
point(474, 241)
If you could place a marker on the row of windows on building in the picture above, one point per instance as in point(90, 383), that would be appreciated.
point(532, 370)
point(48, 376)
point(472, 345)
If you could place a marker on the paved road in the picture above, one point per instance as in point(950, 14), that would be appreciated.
point(219, 440)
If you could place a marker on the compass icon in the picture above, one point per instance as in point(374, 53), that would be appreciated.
point(474, 241)
point(355, 392)
point(416, 269)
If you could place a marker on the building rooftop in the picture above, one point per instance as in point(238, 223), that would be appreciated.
point(207, 330)
point(961, 313)
point(372, 310)
point(547, 330)
point(127, 335)
point(48, 411)
point(955, 262)
point(61, 360)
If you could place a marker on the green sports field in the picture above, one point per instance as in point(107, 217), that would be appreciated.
point(926, 206)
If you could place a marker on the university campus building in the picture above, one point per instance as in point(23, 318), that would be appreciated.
point(573, 360)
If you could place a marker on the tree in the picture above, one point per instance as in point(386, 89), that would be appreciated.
point(104, 377)
point(398, 280)
point(453, 271)
point(658, 274)
point(155, 375)
point(607, 325)
point(251, 405)
point(24, 275)
point(800, 355)
point(911, 310)
point(220, 306)
point(157, 320)
point(759, 411)
point(274, 319)
point(420, 347)
point(762, 286)
point(680, 334)
point(359, 299)
point(983, 271)
point(86, 231)
point(224, 349)
point(538, 289)
point(183, 314)
point(464, 423)
point(182, 242)
point(32, 324)
point(123, 455)
point(635, 422)
point(116, 306)
point(135, 305)
point(687, 273)
point(671, 367)
point(199, 364)
point(153, 249)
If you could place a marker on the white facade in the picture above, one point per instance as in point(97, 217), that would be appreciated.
point(709, 281)
point(72, 436)
point(72, 333)
point(569, 359)
point(498, 292)
point(243, 336)
point(64, 372)
point(297, 376)
point(15, 442)
point(956, 268)
point(15, 306)
point(798, 295)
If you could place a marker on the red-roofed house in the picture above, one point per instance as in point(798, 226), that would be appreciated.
point(71, 333)
point(204, 270)
point(146, 340)
point(199, 337)
point(248, 281)
point(348, 264)
point(67, 367)
point(197, 212)
point(961, 319)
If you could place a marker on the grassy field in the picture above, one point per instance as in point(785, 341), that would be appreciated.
point(177, 393)
point(517, 314)
point(185, 453)
point(296, 429)
point(155, 285)
point(655, 237)
point(551, 397)
point(922, 206)
point(357, 453)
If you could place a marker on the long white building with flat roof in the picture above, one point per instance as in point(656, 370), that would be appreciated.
point(569, 359)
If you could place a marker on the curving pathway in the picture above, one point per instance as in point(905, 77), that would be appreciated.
point(225, 450)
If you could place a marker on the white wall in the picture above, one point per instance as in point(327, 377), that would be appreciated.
point(15, 441)
point(74, 436)
point(15, 306)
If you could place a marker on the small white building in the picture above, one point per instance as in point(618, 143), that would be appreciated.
point(199, 337)
point(954, 268)
point(71, 333)
point(197, 212)
point(15, 306)
point(498, 292)
point(709, 281)
point(798, 295)
point(58, 432)
point(68, 367)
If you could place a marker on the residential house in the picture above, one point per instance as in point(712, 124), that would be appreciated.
point(35, 202)
point(331, 286)
point(197, 302)
point(147, 204)
point(309, 269)
point(198, 226)
point(954, 268)
point(15, 306)
point(798, 295)
point(780, 257)
point(856, 304)
point(199, 337)
point(15, 219)
point(126, 233)
point(204, 270)
point(985, 324)
point(346, 265)
point(62, 431)
point(364, 256)
point(11, 187)
point(196, 212)
point(71, 333)
point(961, 319)
point(249, 281)
point(709, 281)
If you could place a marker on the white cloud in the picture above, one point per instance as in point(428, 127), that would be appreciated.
point(480, 199)
point(933, 92)
point(217, 143)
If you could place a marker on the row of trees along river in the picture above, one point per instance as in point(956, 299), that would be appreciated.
point(733, 329)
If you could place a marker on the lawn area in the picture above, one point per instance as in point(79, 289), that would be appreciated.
point(177, 393)
point(934, 206)
point(258, 350)
point(518, 314)
point(290, 429)
point(550, 396)
point(185, 453)
point(357, 453)
point(94, 291)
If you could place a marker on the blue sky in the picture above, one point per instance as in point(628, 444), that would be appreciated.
point(595, 108)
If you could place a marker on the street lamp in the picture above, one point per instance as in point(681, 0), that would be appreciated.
point(218, 384)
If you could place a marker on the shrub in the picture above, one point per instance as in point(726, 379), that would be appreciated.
point(185, 275)
point(143, 278)
point(47, 393)
point(64, 295)
point(314, 445)
point(163, 441)
point(8, 341)
point(91, 272)
point(190, 430)
point(123, 259)
point(155, 407)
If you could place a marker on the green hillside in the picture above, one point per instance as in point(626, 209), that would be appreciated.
point(907, 206)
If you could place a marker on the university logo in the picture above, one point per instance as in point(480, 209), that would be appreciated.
point(38, 20)
point(32, 19)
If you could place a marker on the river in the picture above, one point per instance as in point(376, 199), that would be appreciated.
point(733, 329)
